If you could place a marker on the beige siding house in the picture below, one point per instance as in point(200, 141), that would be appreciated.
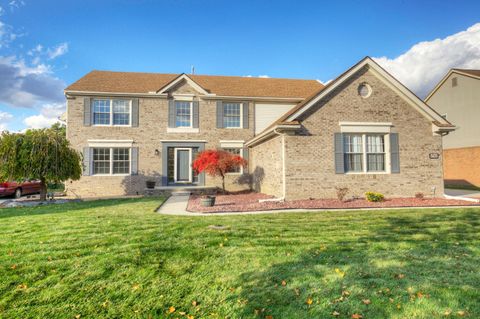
point(457, 98)
point(364, 131)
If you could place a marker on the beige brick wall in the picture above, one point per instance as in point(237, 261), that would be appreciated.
point(152, 129)
point(310, 158)
point(266, 167)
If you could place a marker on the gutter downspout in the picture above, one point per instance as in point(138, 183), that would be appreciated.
point(284, 185)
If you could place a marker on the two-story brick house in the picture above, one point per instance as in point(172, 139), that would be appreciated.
point(364, 131)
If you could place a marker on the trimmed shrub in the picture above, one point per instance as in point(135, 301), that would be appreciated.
point(374, 197)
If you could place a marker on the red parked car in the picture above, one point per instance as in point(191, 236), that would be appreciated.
point(18, 189)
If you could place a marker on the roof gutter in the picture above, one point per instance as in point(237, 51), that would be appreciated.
point(96, 93)
point(272, 132)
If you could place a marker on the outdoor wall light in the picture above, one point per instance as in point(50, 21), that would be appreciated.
point(157, 152)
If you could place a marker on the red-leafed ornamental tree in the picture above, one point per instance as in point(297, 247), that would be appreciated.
point(218, 163)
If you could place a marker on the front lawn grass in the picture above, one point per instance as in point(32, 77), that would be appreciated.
point(119, 259)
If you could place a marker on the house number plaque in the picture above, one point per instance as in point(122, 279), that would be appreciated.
point(434, 155)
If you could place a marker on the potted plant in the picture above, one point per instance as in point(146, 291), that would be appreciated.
point(150, 184)
point(207, 201)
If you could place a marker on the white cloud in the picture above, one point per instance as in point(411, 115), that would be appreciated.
point(264, 76)
point(49, 115)
point(425, 63)
point(57, 51)
point(260, 76)
point(5, 118)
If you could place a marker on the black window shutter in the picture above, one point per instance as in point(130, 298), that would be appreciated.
point(219, 114)
point(171, 113)
point(87, 112)
point(394, 153)
point(339, 157)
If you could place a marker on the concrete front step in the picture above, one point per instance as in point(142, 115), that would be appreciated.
point(181, 190)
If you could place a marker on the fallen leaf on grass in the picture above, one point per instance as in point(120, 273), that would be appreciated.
point(194, 303)
point(284, 283)
point(339, 272)
point(77, 316)
point(447, 313)
point(345, 293)
point(309, 301)
point(400, 276)
point(366, 301)
point(13, 267)
point(461, 313)
point(105, 304)
point(357, 316)
point(190, 317)
point(335, 313)
point(268, 317)
point(22, 286)
point(171, 309)
point(399, 306)
point(135, 287)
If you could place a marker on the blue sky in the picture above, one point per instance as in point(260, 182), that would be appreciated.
point(45, 45)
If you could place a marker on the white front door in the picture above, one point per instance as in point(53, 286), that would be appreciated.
point(183, 165)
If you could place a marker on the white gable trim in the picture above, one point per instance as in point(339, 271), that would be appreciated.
point(393, 83)
point(186, 78)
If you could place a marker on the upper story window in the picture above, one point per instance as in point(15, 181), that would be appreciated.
point(116, 112)
point(183, 114)
point(364, 152)
point(232, 115)
point(111, 161)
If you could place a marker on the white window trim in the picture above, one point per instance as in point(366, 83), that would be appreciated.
point(179, 128)
point(110, 143)
point(365, 127)
point(241, 116)
point(111, 161)
point(111, 113)
point(182, 130)
point(190, 177)
point(386, 145)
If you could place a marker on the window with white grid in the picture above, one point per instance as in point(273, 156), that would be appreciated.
point(121, 112)
point(121, 161)
point(232, 115)
point(364, 152)
point(114, 161)
point(111, 112)
point(375, 153)
point(101, 161)
point(183, 114)
point(101, 112)
point(353, 144)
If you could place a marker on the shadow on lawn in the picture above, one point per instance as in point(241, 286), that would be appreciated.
point(432, 270)
point(69, 207)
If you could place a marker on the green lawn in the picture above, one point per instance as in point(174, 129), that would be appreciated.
point(119, 259)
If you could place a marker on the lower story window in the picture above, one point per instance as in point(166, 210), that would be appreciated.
point(364, 152)
point(234, 151)
point(111, 161)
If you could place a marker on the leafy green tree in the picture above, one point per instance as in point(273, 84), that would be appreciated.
point(43, 154)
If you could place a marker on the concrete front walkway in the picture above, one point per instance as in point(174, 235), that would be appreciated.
point(177, 205)
point(463, 193)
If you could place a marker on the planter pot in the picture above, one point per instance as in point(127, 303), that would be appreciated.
point(208, 201)
point(150, 184)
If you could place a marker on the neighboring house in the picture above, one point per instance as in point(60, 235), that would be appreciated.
point(457, 98)
point(364, 131)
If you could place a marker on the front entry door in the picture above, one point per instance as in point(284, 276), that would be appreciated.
point(183, 170)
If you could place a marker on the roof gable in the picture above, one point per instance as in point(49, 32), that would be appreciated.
point(387, 78)
point(181, 78)
point(465, 72)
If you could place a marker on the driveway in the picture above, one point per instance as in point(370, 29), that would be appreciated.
point(463, 193)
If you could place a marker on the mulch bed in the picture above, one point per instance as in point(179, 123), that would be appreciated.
point(245, 202)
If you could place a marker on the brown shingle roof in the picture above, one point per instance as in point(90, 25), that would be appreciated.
point(133, 82)
point(469, 71)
